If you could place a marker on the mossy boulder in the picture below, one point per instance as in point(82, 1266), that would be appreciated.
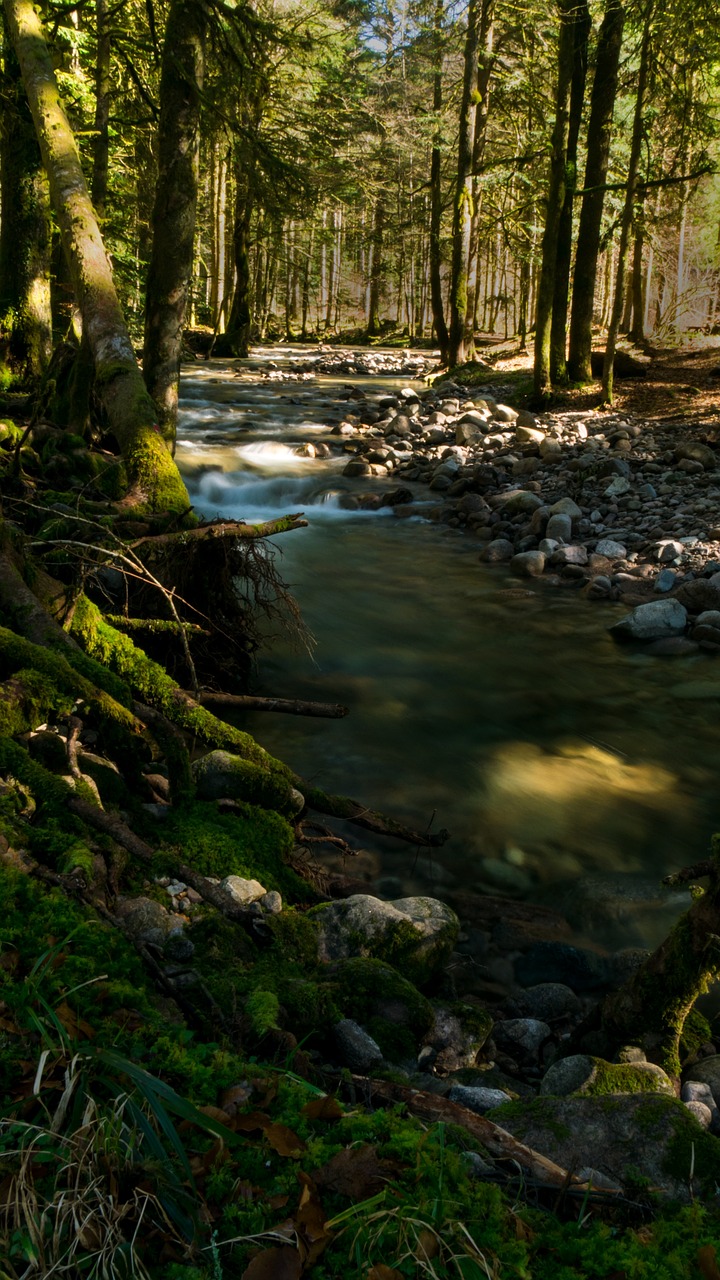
point(594, 1077)
point(637, 1141)
point(389, 1007)
point(415, 935)
point(221, 775)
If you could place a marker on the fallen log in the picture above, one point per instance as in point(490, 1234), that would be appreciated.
point(288, 706)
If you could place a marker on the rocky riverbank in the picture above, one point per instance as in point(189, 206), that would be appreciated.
point(623, 508)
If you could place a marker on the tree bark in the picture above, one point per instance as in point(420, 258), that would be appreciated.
point(155, 482)
point(629, 205)
point(599, 133)
point(435, 253)
point(376, 269)
point(25, 316)
point(99, 188)
point(555, 201)
point(173, 219)
point(462, 208)
point(582, 23)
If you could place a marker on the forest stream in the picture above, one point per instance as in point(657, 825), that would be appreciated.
point(502, 711)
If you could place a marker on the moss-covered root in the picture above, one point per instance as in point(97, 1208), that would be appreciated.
point(361, 816)
point(26, 699)
point(18, 654)
point(653, 1005)
point(21, 607)
point(151, 682)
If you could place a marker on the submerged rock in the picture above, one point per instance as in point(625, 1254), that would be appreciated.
point(652, 621)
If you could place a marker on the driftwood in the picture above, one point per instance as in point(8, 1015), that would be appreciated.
point(289, 706)
point(223, 529)
point(500, 1143)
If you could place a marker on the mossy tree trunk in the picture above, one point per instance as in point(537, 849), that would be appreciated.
point(376, 269)
point(602, 102)
point(155, 482)
point(555, 200)
point(25, 317)
point(463, 198)
point(173, 220)
point(651, 1007)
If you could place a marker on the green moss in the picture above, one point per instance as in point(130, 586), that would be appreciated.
point(532, 1112)
point(148, 679)
point(263, 1010)
point(296, 938)
point(252, 844)
point(623, 1078)
point(27, 700)
point(220, 774)
point(696, 1032)
point(387, 1004)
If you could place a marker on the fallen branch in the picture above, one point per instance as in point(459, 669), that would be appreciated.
point(500, 1143)
point(288, 706)
point(224, 529)
point(370, 819)
point(697, 872)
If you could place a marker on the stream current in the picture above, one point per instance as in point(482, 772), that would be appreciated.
point(568, 770)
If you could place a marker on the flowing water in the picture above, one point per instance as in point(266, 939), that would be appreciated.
point(500, 711)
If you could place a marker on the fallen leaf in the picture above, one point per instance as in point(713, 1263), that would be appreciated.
point(327, 1108)
point(310, 1220)
point(216, 1113)
point(356, 1172)
point(274, 1264)
point(708, 1263)
point(235, 1097)
point(276, 1202)
point(381, 1272)
point(72, 1022)
point(284, 1141)
point(252, 1121)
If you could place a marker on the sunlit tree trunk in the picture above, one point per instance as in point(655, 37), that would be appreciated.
point(99, 188)
point(580, 19)
point(25, 316)
point(435, 254)
point(555, 199)
point(629, 205)
point(463, 196)
point(173, 219)
point(604, 92)
point(154, 479)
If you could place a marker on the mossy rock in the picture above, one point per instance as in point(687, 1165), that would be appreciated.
point(252, 843)
point(631, 1138)
point(389, 1007)
point(596, 1078)
point(220, 774)
point(415, 935)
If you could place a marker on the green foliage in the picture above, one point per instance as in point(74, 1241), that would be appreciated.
point(252, 843)
point(263, 1010)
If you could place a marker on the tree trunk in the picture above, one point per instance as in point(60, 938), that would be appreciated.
point(173, 219)
point(629, 205)
point(435, 252)
point(99, 188)
point(555, 199)
point(582, 23)
point(462, 207)
point(154, 479)
point(599, 133)
point(376, 269)
point(486, 63)
point(25, 238)
point(637, 330)
point(236, 339)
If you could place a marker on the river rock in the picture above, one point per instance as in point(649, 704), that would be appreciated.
point(652, 621)
point(526, 419)
point(559, 527)
point(668, 550)
point(576, 554)
point(529, 435)
point(456, 1041)
point(516, 501)
point(613, 550)
point(477, 1099)
point(547, 1001)
point(707, 1072)
point(146, 920)
point(242, 891)
point(665, 581)
point(416, 935)
point(618, 487)
point(504, 413)
point(528, 564)
point(580, 969)
point(577, 1131)
point(357, 1048)
point(566, 507)
point(522, 1038)
point(497, 551)
point(357, 467)
point(699, 596)
point(697, 452)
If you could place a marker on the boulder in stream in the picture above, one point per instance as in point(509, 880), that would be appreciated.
point(415, 935)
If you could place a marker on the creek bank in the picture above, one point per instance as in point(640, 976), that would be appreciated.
point(622, 508)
